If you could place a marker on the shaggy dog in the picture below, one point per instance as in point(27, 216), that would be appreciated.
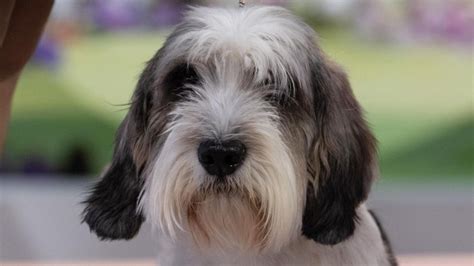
point(244, 145)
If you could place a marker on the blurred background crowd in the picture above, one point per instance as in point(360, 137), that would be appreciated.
point(410, 63)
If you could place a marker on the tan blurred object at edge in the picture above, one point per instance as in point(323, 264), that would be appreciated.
point(21, 25)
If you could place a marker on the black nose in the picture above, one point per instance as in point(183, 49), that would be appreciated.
point(221, 158)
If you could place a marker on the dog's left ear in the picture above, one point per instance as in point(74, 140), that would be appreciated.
point(341, 157)
point(112, 206)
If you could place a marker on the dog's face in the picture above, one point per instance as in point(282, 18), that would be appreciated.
point(242, 133)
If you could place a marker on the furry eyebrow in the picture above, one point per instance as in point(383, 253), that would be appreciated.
point(179, 75)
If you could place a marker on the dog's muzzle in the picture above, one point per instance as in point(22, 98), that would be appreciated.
point(221, 159)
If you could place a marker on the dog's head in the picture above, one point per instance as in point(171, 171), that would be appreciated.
point(242, 133)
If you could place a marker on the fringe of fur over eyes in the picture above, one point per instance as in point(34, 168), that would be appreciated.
point(254, 76)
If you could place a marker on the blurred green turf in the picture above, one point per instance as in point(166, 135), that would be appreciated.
point(418, 100)
point(48, 121)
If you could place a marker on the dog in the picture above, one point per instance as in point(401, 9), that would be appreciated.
point(243, 145)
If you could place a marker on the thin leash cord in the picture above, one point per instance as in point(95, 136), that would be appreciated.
point(241, 3)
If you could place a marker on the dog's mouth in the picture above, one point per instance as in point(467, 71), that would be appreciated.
point(221, 185)
point(222, 216)
point(222, 188)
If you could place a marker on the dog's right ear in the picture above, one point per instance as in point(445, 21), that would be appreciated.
point(111, 208)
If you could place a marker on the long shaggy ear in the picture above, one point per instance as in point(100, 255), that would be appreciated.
point(341, 160)
point(111, 208)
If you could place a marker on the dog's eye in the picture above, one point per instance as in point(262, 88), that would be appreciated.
point(178, 82)
point(268, 82)
point(277, 99)
point(182, 92)
point(273, 95)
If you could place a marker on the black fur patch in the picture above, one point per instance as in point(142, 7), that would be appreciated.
point(111, 210)
point(176, 80)
point(327, 221)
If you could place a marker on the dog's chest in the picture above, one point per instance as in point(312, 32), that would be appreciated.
point(365, 247)
point(303, 252)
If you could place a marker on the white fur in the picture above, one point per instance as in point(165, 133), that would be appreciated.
point(364, 248)
point(269, 38)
